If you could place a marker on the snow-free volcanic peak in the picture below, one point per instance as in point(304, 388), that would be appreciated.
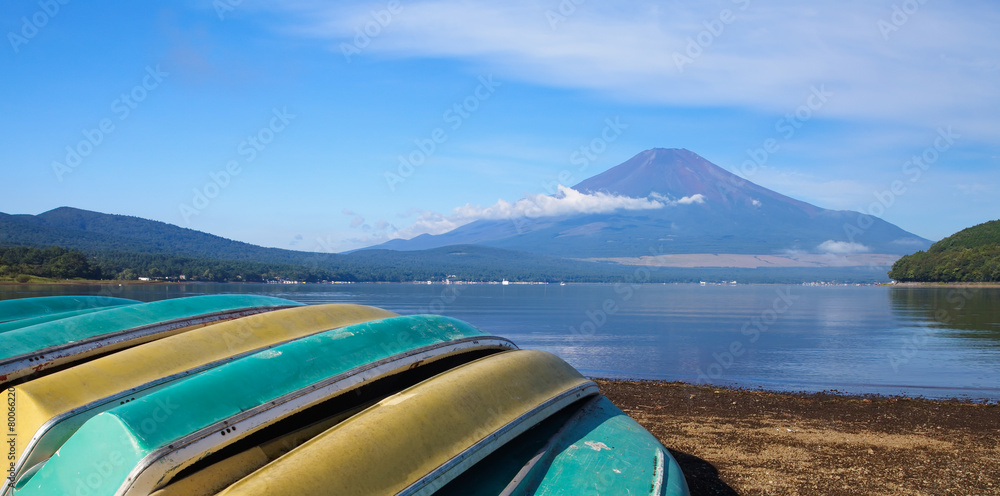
point(677, 173)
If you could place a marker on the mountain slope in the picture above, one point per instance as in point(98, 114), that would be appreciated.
point(677, 173)
point(93, 231)
point(707, 210)
point(970, 255)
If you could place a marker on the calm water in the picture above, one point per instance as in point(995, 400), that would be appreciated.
point(914, 341)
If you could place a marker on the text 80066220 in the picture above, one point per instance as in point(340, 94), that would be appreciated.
point(11, 435)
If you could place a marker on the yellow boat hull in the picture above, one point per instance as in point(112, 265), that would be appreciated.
point(417, 440)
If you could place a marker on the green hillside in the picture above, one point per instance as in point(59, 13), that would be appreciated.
point(98, 232)
point(971, 255)
point(53, 262)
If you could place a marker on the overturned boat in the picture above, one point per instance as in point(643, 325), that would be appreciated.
point(52, 408)
point(321, 399)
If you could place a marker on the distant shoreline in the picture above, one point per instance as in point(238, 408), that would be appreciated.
point(79, 282)
point(946, 285)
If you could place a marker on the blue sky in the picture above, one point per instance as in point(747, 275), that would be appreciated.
point(277, 123)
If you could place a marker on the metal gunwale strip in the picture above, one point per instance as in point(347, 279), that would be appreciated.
point(14, 364)
point(314, 393)
point(43, 430)
point(658, 473)
point(437, 478)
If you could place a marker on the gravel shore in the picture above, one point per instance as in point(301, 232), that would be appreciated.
point(736, 442)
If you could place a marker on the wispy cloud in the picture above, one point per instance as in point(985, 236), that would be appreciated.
point(693, 199)
point(940, 65)
point(842, 247)
point(356, 220)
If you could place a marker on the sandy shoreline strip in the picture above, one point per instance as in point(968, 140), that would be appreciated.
point(735, 442)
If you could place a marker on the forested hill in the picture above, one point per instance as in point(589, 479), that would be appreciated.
point(971, 255)
point(467, 263)
point(98, 232)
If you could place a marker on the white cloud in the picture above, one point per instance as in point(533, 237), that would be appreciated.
point(567, 201)
point(842, 247)
point(940, 66)
point(688, 200)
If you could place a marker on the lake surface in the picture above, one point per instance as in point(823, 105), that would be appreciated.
point(931, 342)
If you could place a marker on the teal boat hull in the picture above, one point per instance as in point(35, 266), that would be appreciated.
point(589, 449)
point(26, 308)
point(41, 319)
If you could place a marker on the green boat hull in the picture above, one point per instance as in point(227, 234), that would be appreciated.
point(589, 449)
point(26, 308)
point(41, 319)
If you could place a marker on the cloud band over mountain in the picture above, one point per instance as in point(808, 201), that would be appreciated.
point(567, 201)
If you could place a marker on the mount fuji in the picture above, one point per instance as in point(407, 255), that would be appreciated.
point(703, 214)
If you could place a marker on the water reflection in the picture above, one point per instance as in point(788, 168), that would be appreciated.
point(933, 342)
point(968, 312)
